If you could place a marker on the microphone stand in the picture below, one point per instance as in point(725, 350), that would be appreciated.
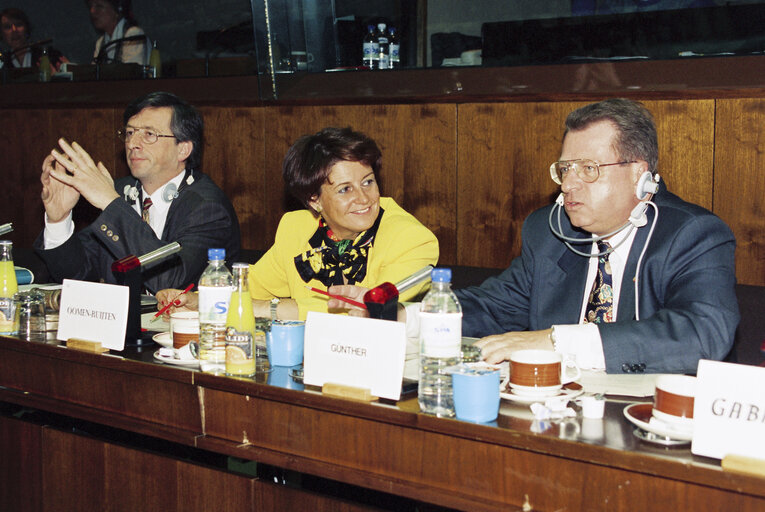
point(127, 272)
point(99, 59)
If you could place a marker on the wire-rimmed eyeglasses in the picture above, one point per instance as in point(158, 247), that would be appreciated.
point(587, 170)
point(147, 136)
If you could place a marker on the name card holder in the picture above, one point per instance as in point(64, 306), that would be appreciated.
point(93, 347)
point(729, 415)
point(348, 392)
point(744, 465)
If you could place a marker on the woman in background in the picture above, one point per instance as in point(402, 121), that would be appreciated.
point(17, 32)
point(114, 20)
point(347, 233)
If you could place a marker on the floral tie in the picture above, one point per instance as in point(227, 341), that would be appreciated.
point(600, 307)
point(145, 212)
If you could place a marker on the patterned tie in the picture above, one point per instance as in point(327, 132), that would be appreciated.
point(600, 307)
point(145, 213)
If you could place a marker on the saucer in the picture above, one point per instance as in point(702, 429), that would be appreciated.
point(536, 392)
point(188, 363)
point(640, 416)
point(163, 338)
point(570, 391)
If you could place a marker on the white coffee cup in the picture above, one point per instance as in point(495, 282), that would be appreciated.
point(674, 399)
point(540, 372)
point(184, 326)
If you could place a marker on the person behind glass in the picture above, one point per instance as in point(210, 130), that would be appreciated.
point(657, 299)
point(113, 19)
point(17, 31)
point(347, 234)
point(165, 199)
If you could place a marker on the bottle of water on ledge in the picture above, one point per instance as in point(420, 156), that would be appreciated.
point(440, 344)
point(215, 287)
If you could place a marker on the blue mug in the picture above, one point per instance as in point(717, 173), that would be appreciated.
point(476, 395)
point(284, 343)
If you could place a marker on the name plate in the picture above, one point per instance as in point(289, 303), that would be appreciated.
point(357, 352)
point(729, 410)
point(93, 312)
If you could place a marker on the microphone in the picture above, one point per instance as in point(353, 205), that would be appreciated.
point(131, 262)
point(637, 215)
point(31, 45)
point(382, 301)
point(102, 51)
point(6, 228)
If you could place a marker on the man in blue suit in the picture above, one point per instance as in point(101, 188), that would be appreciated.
point(659, 297)
point(165, 199)
point(667, 299)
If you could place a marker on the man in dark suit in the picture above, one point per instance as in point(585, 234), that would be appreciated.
point(657, 299)
point(166, 199)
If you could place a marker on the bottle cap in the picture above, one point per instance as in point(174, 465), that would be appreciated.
point(216, 254)
point(240, 264)
point(441, 275)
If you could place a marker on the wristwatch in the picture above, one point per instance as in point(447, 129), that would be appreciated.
point(274, 305)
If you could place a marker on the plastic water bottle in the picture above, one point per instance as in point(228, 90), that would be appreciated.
point(394, 48)
point(215, 287)
point(383, 59)
point(370, 48)
point(440, 344)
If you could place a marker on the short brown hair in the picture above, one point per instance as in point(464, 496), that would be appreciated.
point(308, 162)
point(637, 139)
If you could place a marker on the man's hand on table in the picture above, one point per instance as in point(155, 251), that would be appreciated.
point(498, 347)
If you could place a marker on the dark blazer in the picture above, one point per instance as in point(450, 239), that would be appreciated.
point(688, 307)
point(200, 217)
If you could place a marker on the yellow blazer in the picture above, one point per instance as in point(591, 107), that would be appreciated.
point(402, 246)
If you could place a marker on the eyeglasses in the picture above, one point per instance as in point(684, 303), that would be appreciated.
point(587, 170)
point(147, 136)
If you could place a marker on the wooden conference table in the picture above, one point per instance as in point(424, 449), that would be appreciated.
point(386, 449)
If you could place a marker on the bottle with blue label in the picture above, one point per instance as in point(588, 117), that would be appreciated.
point(394, 48)
point(383, 46)
point(370, 48)
point(440, 344)
point(215, 287)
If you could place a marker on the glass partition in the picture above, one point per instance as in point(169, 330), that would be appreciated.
point(280, 40)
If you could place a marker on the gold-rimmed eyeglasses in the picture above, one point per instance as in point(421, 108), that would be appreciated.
point(148, 136)
point(587, 170)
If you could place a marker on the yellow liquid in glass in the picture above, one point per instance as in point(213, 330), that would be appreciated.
point(240, 357)
point(8, 287)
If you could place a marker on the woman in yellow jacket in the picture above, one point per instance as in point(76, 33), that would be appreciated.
point(347, 234)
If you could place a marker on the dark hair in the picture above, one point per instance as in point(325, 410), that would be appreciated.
point(186, 122)
point(637, 139)
point(13, 13)
point(122, 7)
point(308, 162)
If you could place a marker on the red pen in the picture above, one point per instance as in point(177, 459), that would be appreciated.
point(338, 297)
point(169, 304)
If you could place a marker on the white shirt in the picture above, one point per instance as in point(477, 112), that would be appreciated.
point(132, 51)
point(56, 233)
point(580, 342)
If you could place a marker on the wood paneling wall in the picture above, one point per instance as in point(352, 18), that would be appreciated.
point(471, 172)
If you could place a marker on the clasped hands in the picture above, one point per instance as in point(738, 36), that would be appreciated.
point(70, 174)
point(494, 349)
